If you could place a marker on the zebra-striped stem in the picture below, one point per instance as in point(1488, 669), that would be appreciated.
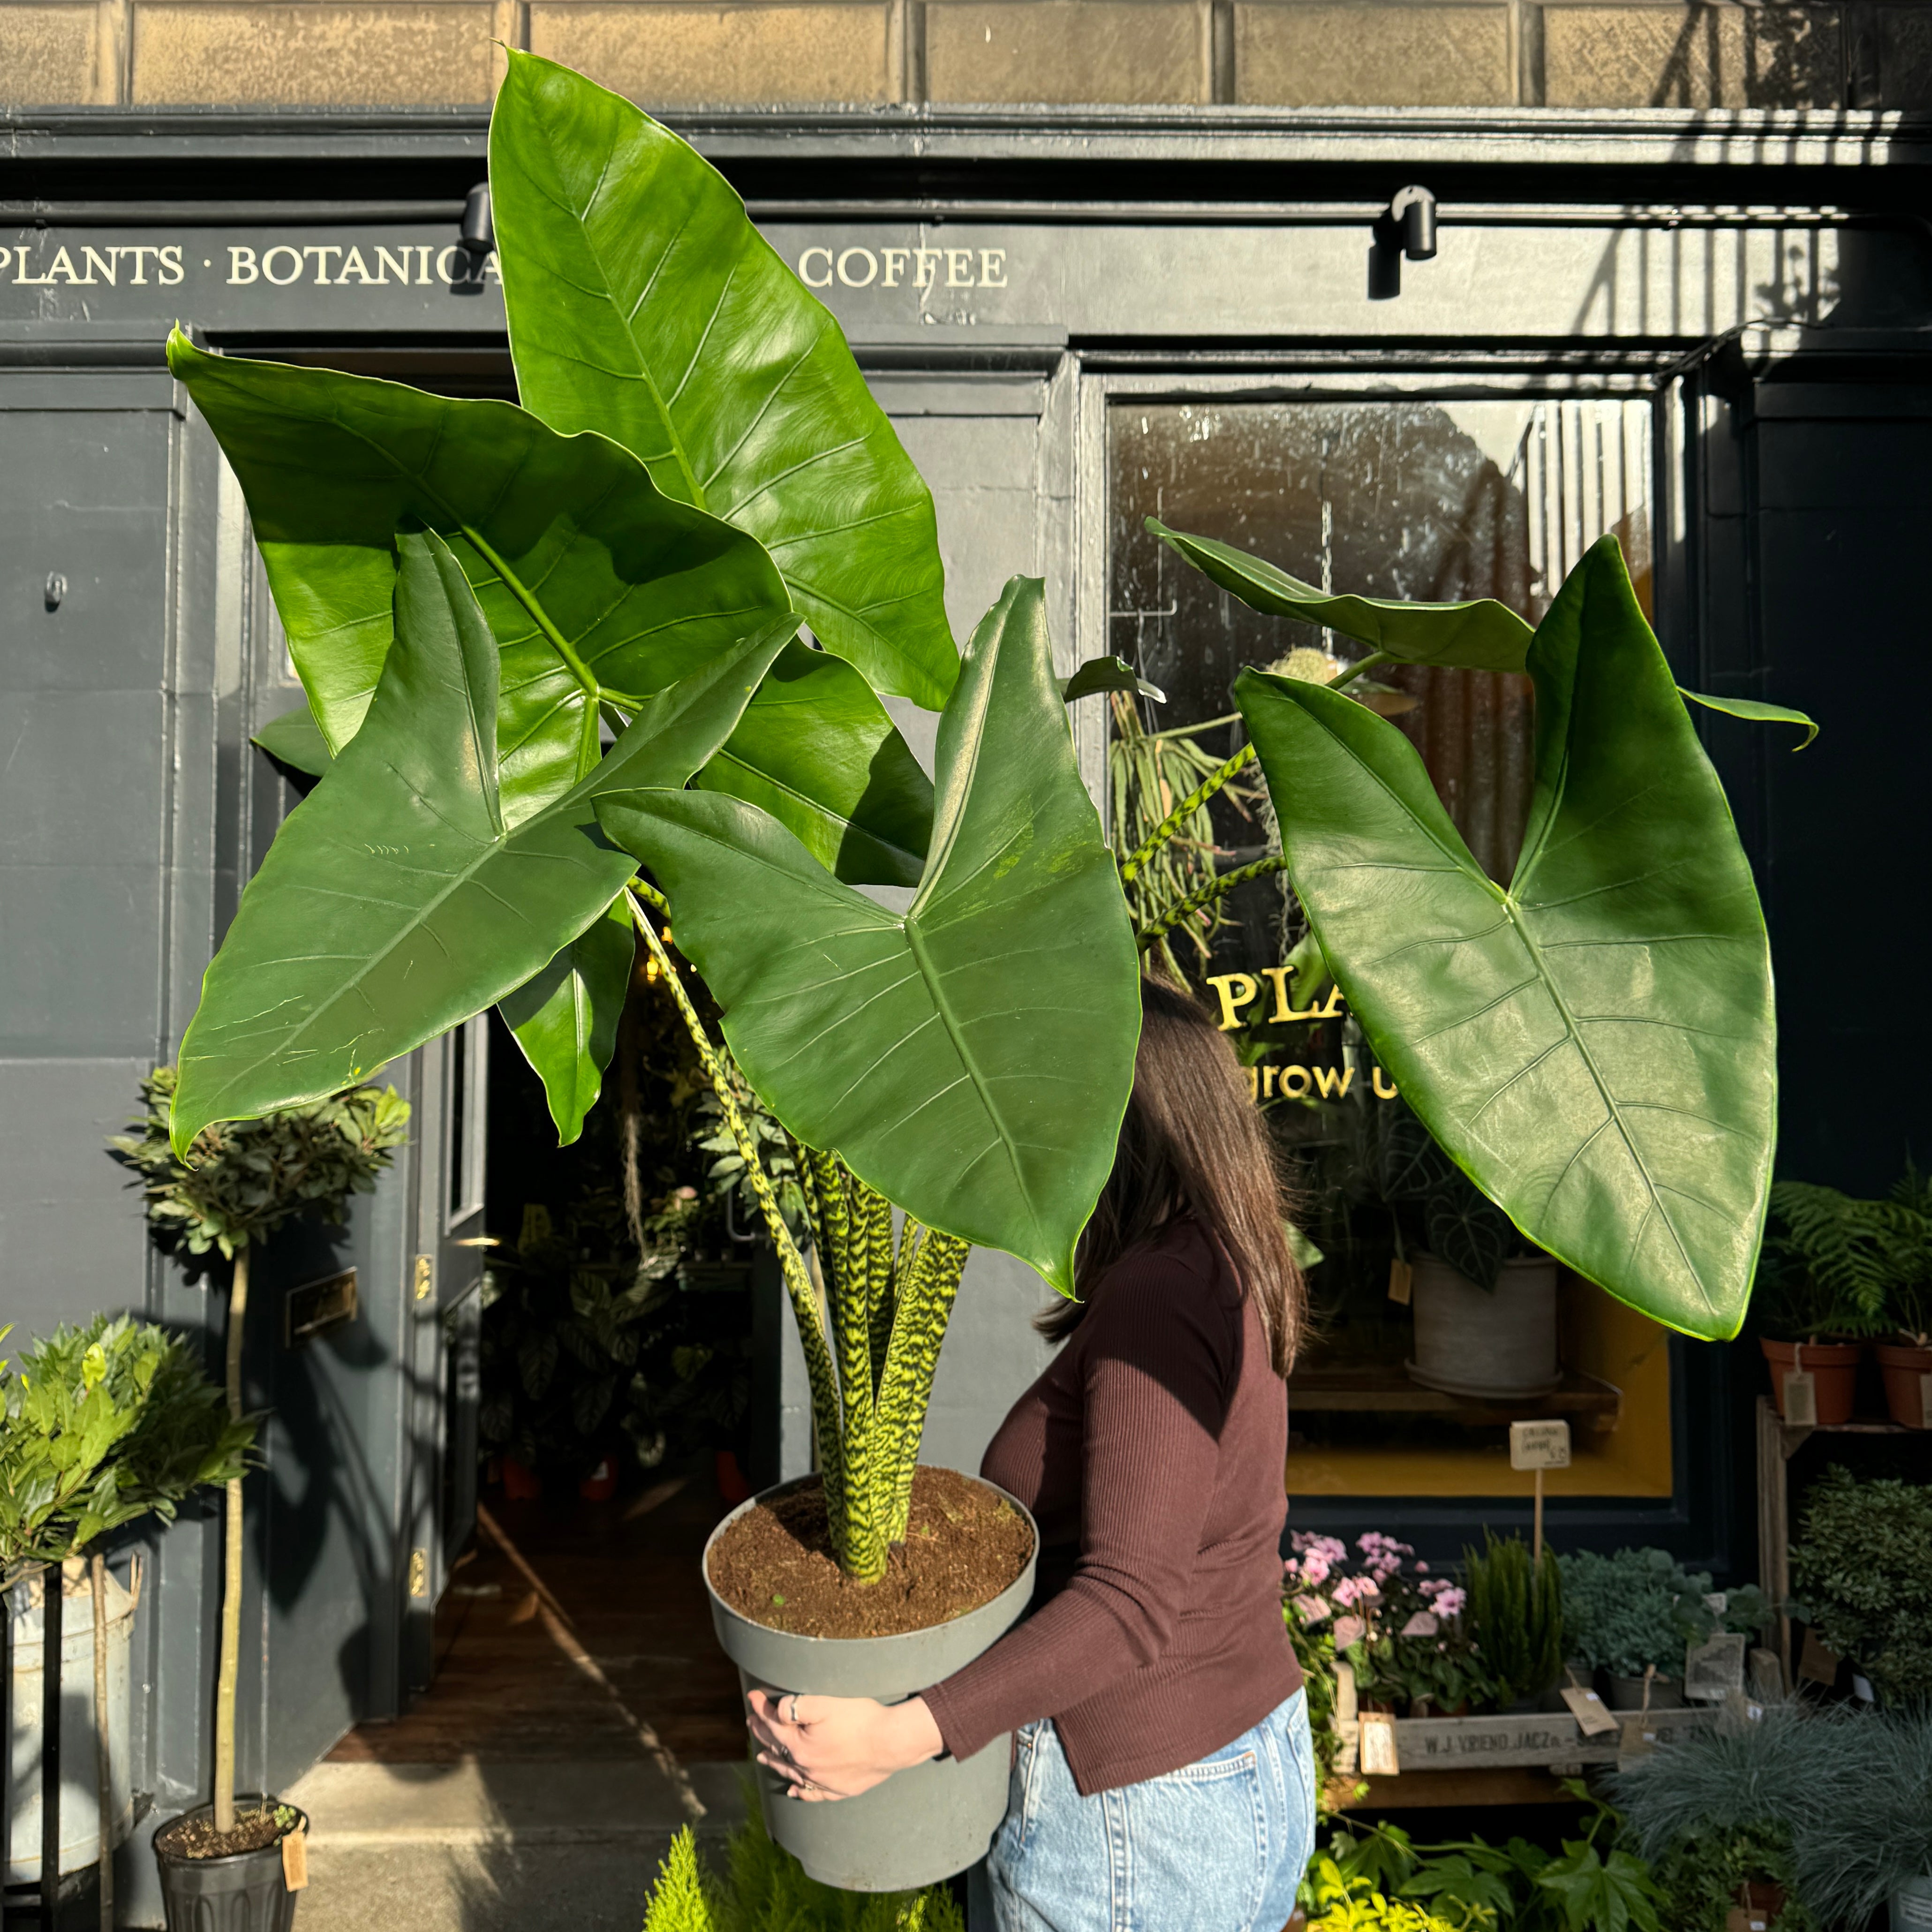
point(797, 1280)
point(925, 1298)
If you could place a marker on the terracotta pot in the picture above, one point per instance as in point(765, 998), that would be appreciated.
point(1904, 1368)
point(732, 1487)
point(1833, 1367)
point(521, 1484)
point(601, 1485)
point(1762, 1900)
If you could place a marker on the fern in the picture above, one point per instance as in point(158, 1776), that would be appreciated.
point(1866, 1262)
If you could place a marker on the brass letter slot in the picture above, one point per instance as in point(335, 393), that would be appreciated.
point(317, 1307)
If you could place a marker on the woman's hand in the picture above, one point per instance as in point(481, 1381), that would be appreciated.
point(838, 1746)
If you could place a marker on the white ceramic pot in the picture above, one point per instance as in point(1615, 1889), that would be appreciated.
point(1498, 1343)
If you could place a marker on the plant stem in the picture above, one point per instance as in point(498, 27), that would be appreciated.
point(1151, 935)
point(797, 1279)
point(1356, 670)
point(103, 1769)
point(1184, 811)
point(228, 1666)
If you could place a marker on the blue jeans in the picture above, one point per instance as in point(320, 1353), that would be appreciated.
point(1216, 1847)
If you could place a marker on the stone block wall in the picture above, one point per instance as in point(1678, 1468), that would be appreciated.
point(674, 53)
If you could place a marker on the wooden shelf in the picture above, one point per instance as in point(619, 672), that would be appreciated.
point(1420, 1790)
point(1385, 1389)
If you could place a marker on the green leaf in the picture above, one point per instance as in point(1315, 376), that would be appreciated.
point(396, 900)
point(1757, 712)
point(1109, 674)
point(295, 739)
point(594, 584)
point(644, 304)
point(1594, 1047)
point(816, 749)
point(971, 1060)
point(1480, 634)
point(566, 1018)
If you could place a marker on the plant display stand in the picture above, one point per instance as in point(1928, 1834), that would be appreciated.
point(1777, 1441)
point(1506, 1759)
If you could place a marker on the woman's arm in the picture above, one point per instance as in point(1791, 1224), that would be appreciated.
point(1158, 1373)
point(838, 1747)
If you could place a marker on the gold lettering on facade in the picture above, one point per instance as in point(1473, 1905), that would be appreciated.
point(1333, 1081)
point(1224, 985)
point(1385, 1088)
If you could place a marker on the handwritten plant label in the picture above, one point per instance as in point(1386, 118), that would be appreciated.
point(1539, 1445)
point(1401, 1280)
point(1817, 1662)
point(1379, 1756)
point(1712, 1670)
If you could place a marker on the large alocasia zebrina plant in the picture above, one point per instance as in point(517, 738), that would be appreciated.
point(700, 538)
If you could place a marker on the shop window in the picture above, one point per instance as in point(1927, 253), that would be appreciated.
point(1435, 500)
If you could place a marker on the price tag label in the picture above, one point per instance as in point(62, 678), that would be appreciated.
point(1801, 1399)
point(1925, 1402)
point(1588, 1708)
point(1380, 1758)
point(1637, 1737)
point(1402, 1277)
point(295, 1859)
point(1539, 1445)
point(1817, 1662)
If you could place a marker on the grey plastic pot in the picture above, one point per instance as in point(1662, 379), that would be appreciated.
point(1477, 1341)
point(242, 1892)
point(921, 1825)
point(1912, 1905)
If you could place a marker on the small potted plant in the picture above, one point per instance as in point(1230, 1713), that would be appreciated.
point(239, 1182)
point(1859, 1564)
point(1515, 1615)
point(1482, 1299)
point(1631, 1616)
point(1834, 1267)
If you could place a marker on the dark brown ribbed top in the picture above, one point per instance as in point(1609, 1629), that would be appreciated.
point(1151, 1454)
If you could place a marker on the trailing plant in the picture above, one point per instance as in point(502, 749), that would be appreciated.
point(1861, 1564)
point(1516, 1615)
point(100, 1425)
point(1639, 1608)
point(227, 1185)
point(763, 1889)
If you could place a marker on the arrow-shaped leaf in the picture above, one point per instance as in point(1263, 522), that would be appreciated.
point(1595, 1046)
point(1756, 712)
point(971, 1059)
point(397, 899)
point(565, 1019)
point(816, 749)
point(643, 304)
point(593, 583)
point(1480, 634)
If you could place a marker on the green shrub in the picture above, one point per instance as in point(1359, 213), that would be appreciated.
point(1862, 1564)
point(765, 1889)
point(103, 1424)
point(1638, 1608)
point(1515, 1613)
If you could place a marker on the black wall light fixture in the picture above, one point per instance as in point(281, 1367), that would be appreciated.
point(478, 232)
point(1406, 227)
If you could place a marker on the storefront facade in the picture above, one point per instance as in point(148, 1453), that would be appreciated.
point(1703, 331)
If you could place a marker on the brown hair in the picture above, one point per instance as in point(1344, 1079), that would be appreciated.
point(1192, 1143)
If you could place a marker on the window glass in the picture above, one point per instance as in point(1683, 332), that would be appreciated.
point(1436, 501)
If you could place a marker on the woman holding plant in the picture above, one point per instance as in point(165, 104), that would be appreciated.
point(1163, 1774)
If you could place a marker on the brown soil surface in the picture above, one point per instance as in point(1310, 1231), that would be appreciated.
point(964, 1544)
point(197, 1838)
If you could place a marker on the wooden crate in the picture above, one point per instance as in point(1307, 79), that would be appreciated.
point(1555, 1743)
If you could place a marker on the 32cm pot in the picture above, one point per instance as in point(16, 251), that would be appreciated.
point(921, 1825)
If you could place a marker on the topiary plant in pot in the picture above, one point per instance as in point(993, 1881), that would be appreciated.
point(474, 591)
point(230, 1187)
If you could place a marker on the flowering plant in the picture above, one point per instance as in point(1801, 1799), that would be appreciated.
point(1396, 1625)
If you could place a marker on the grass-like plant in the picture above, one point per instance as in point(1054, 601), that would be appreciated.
point(1515, 1613)
point(1868, 1828)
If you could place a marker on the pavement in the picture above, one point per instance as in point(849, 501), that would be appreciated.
point(474, 1847)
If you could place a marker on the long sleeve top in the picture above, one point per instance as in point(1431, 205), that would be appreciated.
point(1151, 1453)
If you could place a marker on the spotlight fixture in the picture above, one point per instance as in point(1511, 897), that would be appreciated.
point(1405, 228)
point(478, 232)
